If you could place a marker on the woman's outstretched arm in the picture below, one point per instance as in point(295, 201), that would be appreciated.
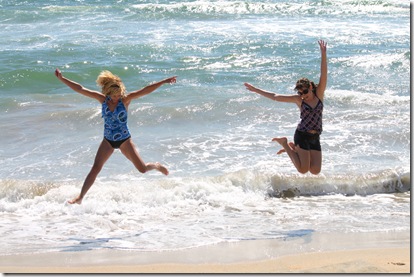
point(273, 96)
point(148, 89)
point(79, 88)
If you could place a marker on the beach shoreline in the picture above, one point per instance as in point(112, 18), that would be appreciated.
point(316, 253)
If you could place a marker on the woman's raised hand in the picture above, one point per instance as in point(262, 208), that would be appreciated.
point(322, 45)
point(170, 80)
point(58, 73)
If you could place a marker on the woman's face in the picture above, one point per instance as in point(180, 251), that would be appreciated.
point(116, 96)
point(306, 93)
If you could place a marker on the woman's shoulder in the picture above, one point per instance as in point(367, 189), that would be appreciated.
point(125, 101)
point(320, 93)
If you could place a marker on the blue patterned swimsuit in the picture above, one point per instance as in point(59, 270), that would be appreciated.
point(115, 128)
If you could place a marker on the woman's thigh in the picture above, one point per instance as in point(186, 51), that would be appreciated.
point(315, 162)
point(304, 160)
point(129, 150)
point(105, 151)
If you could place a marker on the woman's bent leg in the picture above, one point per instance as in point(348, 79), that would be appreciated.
point(299, 157)
point(129, 150)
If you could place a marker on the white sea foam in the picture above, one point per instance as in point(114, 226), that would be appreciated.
point(147, 215)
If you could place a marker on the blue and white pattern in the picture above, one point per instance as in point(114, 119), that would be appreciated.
point(115, 127)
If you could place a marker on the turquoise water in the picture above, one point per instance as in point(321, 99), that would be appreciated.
point(213, 134)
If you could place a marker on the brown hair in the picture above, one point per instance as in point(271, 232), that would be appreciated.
point(110, 84)
point(304, 83)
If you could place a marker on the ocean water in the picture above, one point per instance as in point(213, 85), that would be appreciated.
point(226, 182)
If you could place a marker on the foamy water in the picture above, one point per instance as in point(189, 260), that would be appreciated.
point(226, 182)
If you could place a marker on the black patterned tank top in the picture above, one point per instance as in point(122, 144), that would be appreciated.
point(311, 118)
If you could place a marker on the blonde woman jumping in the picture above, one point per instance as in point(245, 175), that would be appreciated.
point(115, 102)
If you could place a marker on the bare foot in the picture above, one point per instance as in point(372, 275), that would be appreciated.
point(282, 141)
point(77, 200)
point(292, 147)
point(162, 168)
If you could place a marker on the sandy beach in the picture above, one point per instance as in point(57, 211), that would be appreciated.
point(318, 253)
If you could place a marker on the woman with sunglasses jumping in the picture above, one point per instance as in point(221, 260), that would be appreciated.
point(305, 152)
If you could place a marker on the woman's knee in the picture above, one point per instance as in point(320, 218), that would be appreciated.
point(315, 170)
point(140, 166)
point(142, 169)
point(129, 151)
point(303, 171)
point(316, 162)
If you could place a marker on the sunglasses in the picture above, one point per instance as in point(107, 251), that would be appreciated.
point(305, 91)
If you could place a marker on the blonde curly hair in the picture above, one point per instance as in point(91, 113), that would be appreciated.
point(110, 84)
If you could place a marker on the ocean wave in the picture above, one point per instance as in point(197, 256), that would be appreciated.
point(203, 188)
point(139, 214)
point(214, 9)
point(393, 61)
point(18, 190)
point(225, 8)
point(357, 98)
point(382, 182)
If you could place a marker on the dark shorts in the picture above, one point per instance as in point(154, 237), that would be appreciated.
point(118, 143)
point(307, 141)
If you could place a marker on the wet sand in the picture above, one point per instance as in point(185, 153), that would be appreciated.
point(316, 253)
